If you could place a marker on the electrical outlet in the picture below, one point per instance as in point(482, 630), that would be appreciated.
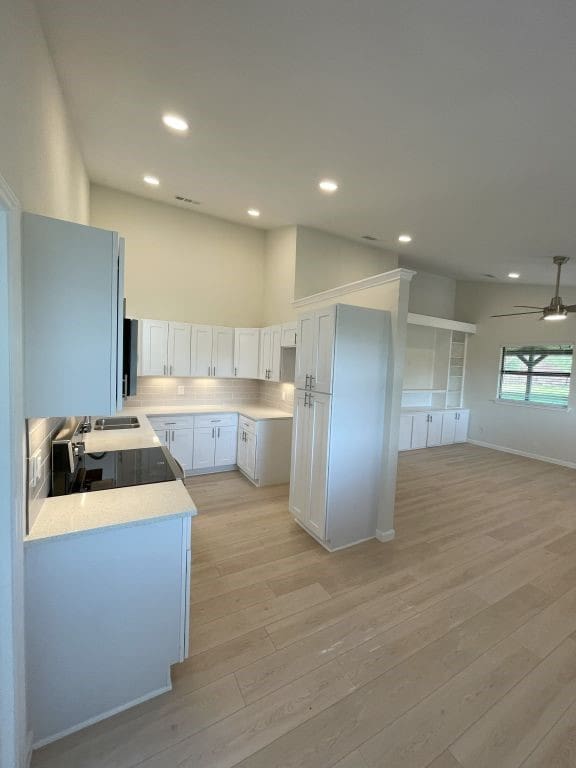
point(180, 389)
point(284, 396)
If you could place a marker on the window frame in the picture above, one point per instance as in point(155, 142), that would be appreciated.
point(530, 403)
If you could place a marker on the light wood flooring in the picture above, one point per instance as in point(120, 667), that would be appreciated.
point(452, 647)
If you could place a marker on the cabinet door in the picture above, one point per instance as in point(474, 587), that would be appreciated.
point(448, 427)
point(461, 433)
point(405, 436)
point(265, 352)
point(300, 466)
point(288, 338)
point(225, 452)
point(251, 467)
point(201, 346)
point(222, 352)
point(275, 339)
point(241, 449)
point(419, 430)
point(324, 334)
point(179, 341)
point(182, 447)
point(164, 436)
point(304, 350)
point(434, 429)
point(320, 413)
point(204, 442)
point(246, 352)
point(154, 348)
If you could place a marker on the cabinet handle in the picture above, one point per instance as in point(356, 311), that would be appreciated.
point(212, 431)
point(218, 431)
point(209, 369)
point(214, 371)
point(235, 371)
point(172, 435)
point(310, 401)
point(294, 338)
point(307, 377)
point(164, 368)
point(166, 437)
point(305, 399)
point(170, 370)
point(312, 380)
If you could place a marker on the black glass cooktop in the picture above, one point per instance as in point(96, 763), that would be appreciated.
point(119, 469)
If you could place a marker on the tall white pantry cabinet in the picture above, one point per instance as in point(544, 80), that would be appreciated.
point(338, 429)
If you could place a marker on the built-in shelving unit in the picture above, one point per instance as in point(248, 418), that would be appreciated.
point(435, 362)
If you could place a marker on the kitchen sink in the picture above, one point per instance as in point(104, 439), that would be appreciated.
point(117, 422)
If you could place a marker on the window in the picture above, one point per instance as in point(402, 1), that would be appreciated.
point(539, 375)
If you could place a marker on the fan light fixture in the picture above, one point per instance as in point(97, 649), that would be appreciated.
point(556, 310)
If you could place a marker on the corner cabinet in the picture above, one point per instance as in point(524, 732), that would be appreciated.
point(73, 302)
point(428, 429)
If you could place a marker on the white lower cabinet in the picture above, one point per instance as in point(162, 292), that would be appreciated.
point(264, 450)
point(426, 429)
point(177, 434)
point(215, 441)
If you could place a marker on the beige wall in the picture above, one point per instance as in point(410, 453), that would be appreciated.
point(182, 265)
point(326, 261)
point(433, 295)
point(279, 272)
point(39, 157)
point(544, 432)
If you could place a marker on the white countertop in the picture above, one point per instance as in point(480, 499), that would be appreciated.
point(256, 411)
point(78, 513)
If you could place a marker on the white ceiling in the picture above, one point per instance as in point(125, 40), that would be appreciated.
point(453, 120)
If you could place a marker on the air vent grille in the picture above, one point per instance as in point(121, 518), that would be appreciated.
point(183, 199)
point(369, 237)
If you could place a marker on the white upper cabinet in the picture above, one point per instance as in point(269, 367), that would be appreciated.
point(164, 348)
point(222, 352)
point(153, 347)
point(270, 340)
point(179, 337)
point(201, 350)
point(212, 351)
point(246, 353)
point(289, 334)
point(315, 351)
point(72, 278)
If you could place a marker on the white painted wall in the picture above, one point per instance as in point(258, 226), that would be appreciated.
point(433, 295)
point(279, 273)
point(39, 157)
point(543, 432)
point(42, 165)
point(325, 261)
point(182, 265)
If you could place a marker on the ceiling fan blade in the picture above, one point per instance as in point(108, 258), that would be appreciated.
point(527, 306)
point(570, 308)
point(517, 314)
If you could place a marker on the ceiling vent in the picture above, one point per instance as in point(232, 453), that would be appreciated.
point(189, 200)
point(369, 237)
point(487, 274)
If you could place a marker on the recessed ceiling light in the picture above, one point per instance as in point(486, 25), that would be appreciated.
point(328, 185)
point(175, 122)
point(514, 275)
point(254, 212)
point(154, 181)
point(405, 238)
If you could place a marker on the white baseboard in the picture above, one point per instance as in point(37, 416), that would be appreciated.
point(103, 716)
point(384, 536)
point(536, 456)
point(29, 749)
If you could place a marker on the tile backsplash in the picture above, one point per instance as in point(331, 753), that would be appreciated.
point(40, 435)
point(184, 391)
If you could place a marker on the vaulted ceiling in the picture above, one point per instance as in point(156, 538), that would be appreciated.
point(452, 120)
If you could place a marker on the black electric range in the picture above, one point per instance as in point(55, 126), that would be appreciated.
point(75, 471)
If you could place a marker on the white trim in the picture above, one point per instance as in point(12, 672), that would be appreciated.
point(536, 456)
point(325, 544)
point(538, 406)
point(384, 536)
point(359, 285)
point(103, 716)
point(441, 322)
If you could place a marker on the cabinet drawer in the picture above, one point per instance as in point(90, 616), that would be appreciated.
point(216, 420)
point(247, 425)
point(171, 422)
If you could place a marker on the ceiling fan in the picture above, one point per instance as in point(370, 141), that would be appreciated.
point(556, 310)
